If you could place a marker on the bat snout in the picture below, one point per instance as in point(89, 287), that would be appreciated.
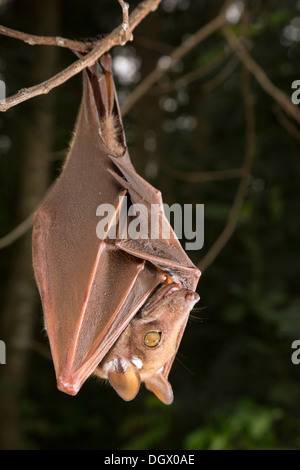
point(192, 297)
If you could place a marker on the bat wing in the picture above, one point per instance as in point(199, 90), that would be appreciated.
point(165, 252)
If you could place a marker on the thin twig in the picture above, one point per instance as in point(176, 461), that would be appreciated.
point(286, 122)
point(34, 40)
point(74, 45)
point(250, 144)
point(23, 227)
point(194, 75)
point(39, 348)
point(126, 34)
point(113, 39)
point(153, 44)
point(260, 75)
point(205, 176)
point(17, 232)
point(224, 74)
point(250, 148)
point(217, 23)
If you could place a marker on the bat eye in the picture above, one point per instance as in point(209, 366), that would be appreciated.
point(152, 339)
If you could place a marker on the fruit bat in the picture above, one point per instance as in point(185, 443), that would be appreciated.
point(114, 306)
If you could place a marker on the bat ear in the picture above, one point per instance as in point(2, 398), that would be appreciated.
point(159, 385)
point(125, 379)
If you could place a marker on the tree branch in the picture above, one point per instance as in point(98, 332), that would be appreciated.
point(250, 148)
point(34, 40)
point(205, 176)
point(288, 125)
point(23, 227)
point(116, 37)
point(195, 75)
point(217, 23)
point(260, 75)
point(250, 144)
point(127, 34)
point(224, 74)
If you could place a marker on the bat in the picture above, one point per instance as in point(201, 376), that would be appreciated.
point(116, 306)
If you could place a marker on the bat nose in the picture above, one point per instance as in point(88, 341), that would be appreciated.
point(192, 296)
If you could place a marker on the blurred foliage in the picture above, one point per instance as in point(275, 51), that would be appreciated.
point(249, 427)
point(235, 386)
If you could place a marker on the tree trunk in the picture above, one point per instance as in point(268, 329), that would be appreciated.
point(19, 314)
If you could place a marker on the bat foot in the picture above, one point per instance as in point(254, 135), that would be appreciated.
point(96, 38)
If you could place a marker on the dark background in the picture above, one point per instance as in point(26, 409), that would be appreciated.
point(234, 383)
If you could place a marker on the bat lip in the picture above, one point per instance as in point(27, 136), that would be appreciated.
point(163, 292)
point(171, 288)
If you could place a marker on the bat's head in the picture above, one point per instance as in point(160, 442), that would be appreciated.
point(148, 343)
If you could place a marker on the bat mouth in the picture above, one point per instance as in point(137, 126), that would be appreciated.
point(170, 289)
point(160, 294)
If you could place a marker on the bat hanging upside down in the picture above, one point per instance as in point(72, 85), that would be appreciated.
point(115, 307)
